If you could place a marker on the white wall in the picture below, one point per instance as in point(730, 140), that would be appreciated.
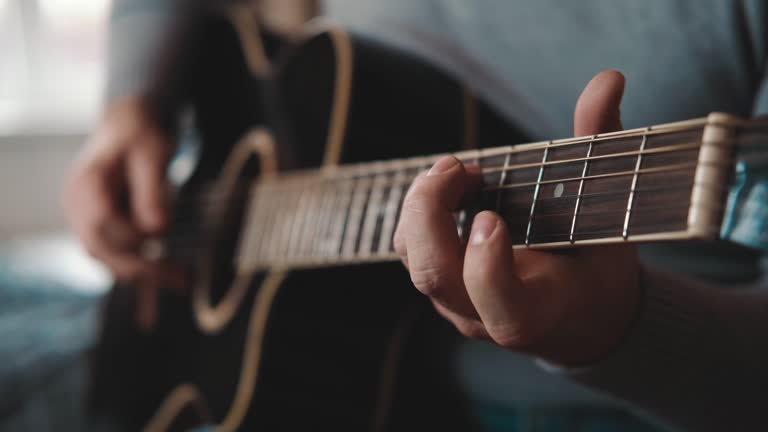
point(32, 170)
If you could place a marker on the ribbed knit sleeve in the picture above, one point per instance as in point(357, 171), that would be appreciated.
point(697, 357)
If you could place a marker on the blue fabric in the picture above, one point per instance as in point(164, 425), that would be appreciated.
point(531, 58)
point(746, 218)
point(45, 329)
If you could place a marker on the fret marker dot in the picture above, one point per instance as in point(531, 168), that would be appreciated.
point(559, 190)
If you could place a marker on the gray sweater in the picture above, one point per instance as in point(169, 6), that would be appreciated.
point(696, 356)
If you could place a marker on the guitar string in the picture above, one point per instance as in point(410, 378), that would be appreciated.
point(179, 238)
point(607, 212)
point(211, 197)
point(195, 221)
point(285, 190)
point(315, 177)
point(428, 160)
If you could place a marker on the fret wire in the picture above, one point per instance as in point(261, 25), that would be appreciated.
point(668, 129)
point(265, 196)
point(403, 192)
point(213, 196)
point(671, 167)
point(289, 221)
point(251, 232)
point(394, 182)
point(355, 214)
point(581, 190)
point(626, 191)
point(312, 225)
point(535, 196)
point(378, 221)
point(603, 212)
point(330, 232)
point(530, 147)
point(322, 220)
point(269, 210)
point(390, 215)
point(271, 248)
point(581, 233)
point(461, 217)
point(327, 248)
point(329, 227)
point(625, 230)
point(347, 187)
point(261, 247)
point(283, 226)
point(502, 179)
point(326, 220)
point(269, 239)
point(305, 245)
point(371, 214)
point(301, 217)
point(665, 149)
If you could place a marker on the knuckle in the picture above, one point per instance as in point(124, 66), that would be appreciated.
point(416, 202)
point(428, 280)
point(511, 335)
point(471, 330)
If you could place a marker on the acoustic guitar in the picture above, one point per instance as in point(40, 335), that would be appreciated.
point(299, 316)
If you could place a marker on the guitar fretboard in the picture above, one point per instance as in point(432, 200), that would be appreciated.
point(639, 185)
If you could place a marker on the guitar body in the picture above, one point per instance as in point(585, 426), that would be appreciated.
point(348, 348)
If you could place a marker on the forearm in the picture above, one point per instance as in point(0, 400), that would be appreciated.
point(697, 356)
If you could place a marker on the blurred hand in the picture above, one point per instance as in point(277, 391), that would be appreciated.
point(567, 308)
point(117, 196)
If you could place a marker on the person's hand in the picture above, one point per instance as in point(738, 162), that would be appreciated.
point(116, 197)
point(567, 308)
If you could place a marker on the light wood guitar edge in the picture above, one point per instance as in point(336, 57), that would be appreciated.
point(244, 19)
point(187, 394)
point(211, 319)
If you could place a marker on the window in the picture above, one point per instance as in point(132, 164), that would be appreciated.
point(51, 64)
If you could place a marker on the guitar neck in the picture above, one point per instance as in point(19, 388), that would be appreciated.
point(665, 182)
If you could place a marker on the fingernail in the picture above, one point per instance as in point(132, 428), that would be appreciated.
point(483, 227)
point(443, 165)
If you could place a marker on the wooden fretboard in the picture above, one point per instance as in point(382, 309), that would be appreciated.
point(659, 183)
